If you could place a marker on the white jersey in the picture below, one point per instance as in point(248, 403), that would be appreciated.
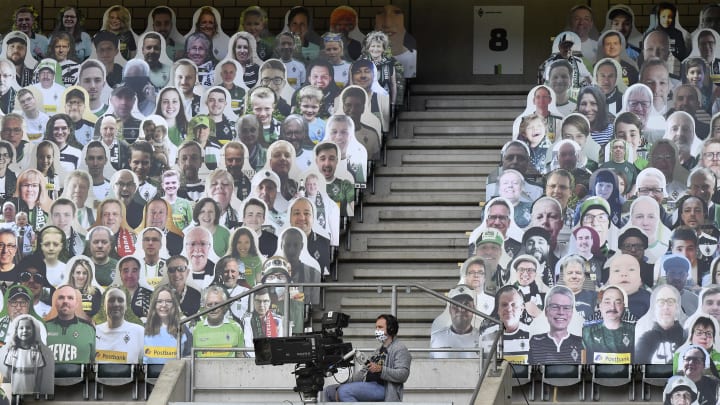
point(122, 345)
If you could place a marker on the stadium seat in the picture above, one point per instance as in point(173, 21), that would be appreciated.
point(115, 374)
point(521, 375)
point(152, 372)
point(71, 374)
point(654, 374)
point(611, 375)
point(561, 375)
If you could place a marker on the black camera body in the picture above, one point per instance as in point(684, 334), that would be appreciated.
point(323, 351)
point(316, 354)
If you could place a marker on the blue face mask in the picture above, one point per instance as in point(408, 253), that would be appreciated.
point(380, 335)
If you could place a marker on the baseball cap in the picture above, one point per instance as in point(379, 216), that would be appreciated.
point(566, 39)
point(676, 262)
point(490, 235)
point(535, 231)
point(681, 383)
point(16, 36)
point(264, 175)
point(18, 291)
point(47, 64)
point(274, 265)
point(461, 293)
point(594, 203)
point(123, 89)
point(75, 93)
point(199, 120)
point(633, 231)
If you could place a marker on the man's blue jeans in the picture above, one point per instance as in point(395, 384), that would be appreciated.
point(356, 392)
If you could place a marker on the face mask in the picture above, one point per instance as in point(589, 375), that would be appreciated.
point(380, 335)
point(278, 290)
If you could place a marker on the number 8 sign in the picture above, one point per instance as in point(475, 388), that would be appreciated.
point(498, 40)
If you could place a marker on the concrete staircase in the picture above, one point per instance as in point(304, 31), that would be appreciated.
point(425, 200)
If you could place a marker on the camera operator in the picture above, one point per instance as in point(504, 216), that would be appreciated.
point(382, 378)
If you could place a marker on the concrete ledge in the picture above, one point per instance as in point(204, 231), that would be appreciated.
point(171, 384)
point(496, 390)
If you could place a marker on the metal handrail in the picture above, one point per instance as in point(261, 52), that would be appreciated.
point(494, 352)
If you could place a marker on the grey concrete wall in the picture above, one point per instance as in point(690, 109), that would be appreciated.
point(172, 384)
point(439, 381)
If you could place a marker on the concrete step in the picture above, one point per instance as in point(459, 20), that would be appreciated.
point(492, 135)
point(434, 186)
point(429, 138)
point(335, 294)
point(361, 328)
point(437, 255)
point(392, 267)
point(453, 103)
point(452, 158)
point(370, 302)
point(407, 274)
point(455, 116)
point(477, 170)
point(457, 89)
point(420, 236)
point(365, 339)
point(427, 213)
point(405, 313)
point(378, 243)
point(415, 227)
point(381, 241)
point(469, 198)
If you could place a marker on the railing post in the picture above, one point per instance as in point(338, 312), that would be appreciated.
point(393, 301)
point(286, 310)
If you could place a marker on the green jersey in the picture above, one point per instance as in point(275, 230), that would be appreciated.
point(105, 273)
point(71, 341)
point(229, 334)
point(343, 193)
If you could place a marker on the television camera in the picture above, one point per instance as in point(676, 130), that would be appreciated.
point(317, 354)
